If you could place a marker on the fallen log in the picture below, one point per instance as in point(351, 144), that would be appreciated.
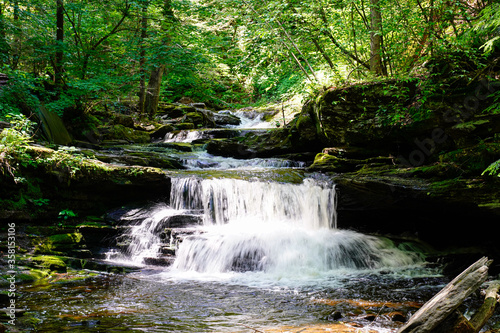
point(440, 313)
point(488, 308)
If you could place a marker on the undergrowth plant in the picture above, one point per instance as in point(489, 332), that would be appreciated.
point(13, 141)
point(493, 169)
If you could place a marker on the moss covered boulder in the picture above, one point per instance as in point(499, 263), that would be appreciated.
point(61, 244)
point(51, 263)
point(126, 134)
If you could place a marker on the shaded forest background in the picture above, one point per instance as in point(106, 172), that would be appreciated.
point(74, 56)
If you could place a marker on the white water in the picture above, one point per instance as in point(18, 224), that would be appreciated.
point(310, 204)
point(144, 236)
point(252, 122)
point(184, 136)
point(203, 160)
point(264, 233)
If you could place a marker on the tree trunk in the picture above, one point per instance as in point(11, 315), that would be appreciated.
point(376, 65)
point(17, 40)
point(142, 61)
point(327, 33)
point(438, 309)
point(58, 68)
point(153, 91)
point(4, 46)
point(297, 48)
point(323, 53)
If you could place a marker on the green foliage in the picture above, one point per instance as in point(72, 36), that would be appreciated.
point(227, 52)
point(21, 93)
point(494, 108)
point(493, 169)
point(487, 27)
point(13, 141)
point(67, 214)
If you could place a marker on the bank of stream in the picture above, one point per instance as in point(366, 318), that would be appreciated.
point(235, 240)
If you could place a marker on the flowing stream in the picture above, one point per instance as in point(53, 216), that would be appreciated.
point(243, 246)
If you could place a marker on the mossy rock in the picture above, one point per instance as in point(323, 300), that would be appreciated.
point(196, 118)
point(124, 120)
point(60, 244)
point(161, 132)
point(185, 126)
point(128, 134)
point(31, 275)
point(52, 263)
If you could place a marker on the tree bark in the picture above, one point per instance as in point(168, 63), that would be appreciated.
point(58, 68)
point(323, 52)
point(327, 33)
point(488, 308)
point(4, 46)
point(16, 50)
point(153, 91)
point(142, 61)
point(438, 309)
point(376, 65)
point(297, 48)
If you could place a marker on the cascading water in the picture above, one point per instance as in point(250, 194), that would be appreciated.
point(279, 229)
point(286, 231)
point(228, 201)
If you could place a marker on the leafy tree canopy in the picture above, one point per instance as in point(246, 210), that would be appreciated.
point(72, 54)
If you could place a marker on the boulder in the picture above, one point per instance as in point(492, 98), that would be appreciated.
point(124, 134)
point(184, 126)
point(229, 149)
point(161, 132)
point(225, 119)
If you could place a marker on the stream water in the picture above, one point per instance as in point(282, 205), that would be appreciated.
point(257, 245)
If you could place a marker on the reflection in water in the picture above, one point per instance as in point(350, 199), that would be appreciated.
point(139, 302)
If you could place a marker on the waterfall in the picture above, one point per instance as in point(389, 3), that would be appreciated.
point(278, 229)
point(310, 204)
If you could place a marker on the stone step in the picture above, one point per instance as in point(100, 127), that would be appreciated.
point(159, 261)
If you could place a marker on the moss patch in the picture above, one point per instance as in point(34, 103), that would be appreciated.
point(60, 244)
point(51, 263)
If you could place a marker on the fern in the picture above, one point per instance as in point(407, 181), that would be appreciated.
point(493, 169)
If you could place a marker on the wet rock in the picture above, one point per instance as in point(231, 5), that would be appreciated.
point(225, 119)
point(179, 221)
point(199, 105)
point(52, 263)
point(397, 316)
point(369, 317)
point(229, 149)
point(172, 111)
point(160, 133)
point(98, 235)
point(160, 261)
point(184, 126)
point(167, 250)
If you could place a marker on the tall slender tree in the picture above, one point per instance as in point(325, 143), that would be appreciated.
point(376, 65)
point(4, 45)
point(154, 84)
point(59, 56)
point(142, 60)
